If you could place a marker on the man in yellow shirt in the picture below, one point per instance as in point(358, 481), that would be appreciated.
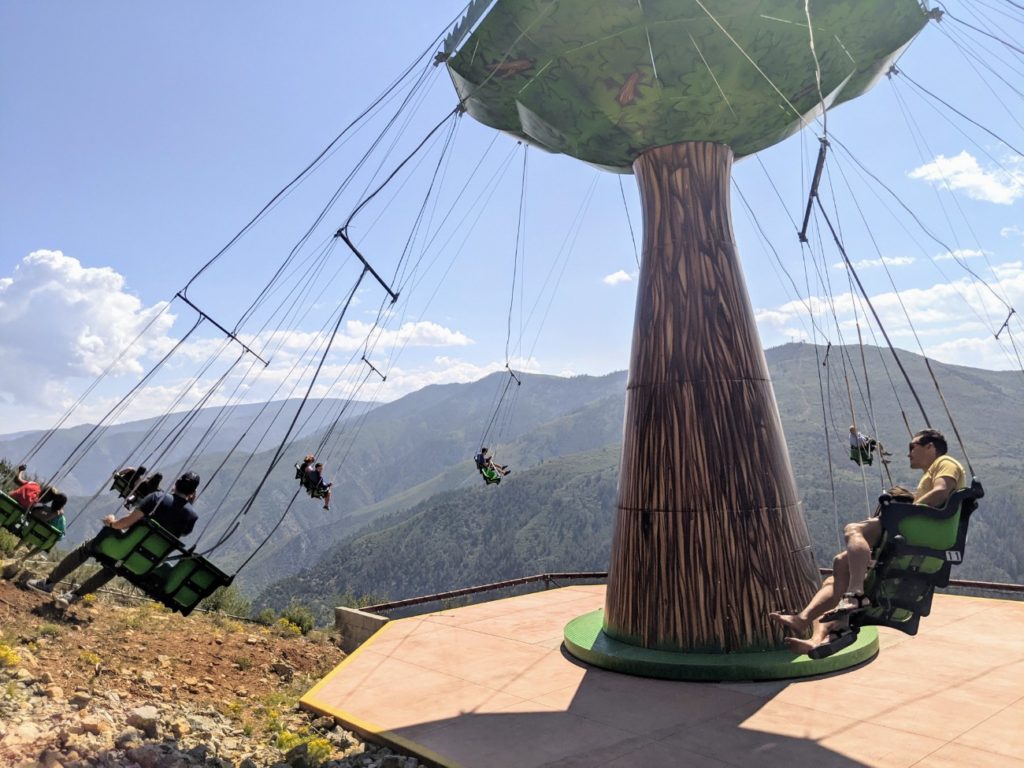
point(842, 593)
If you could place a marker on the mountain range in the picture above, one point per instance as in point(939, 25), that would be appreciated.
point(411, 516)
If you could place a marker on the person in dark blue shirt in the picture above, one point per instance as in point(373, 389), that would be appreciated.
point(491, 471)
point(314, 482)
point(172, 511)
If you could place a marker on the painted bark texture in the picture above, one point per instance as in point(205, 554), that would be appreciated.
point(709, 535)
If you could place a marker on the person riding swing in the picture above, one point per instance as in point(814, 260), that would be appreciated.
point(826, 618)
point(314, 483)
point(489, 470)
point(863, 448)
point(171, 511)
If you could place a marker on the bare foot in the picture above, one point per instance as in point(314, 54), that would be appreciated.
point(790, 622)
point(796, 645)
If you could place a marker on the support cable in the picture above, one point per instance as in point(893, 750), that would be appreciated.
point(321, 155)
point(949, 106)
point(278, 454)
point(70, 462)
point(45, 438)
point(629, 221)
point(515, 254)
point(927, 362)
point(980, 31)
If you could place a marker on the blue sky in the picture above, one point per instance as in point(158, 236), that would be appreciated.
point(138, 138)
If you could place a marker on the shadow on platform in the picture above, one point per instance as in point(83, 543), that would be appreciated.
point(490, 685)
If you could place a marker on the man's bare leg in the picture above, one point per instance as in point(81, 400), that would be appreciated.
point(824, 599)
point(860, 539)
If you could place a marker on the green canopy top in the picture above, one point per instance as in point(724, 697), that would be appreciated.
point(603, 80)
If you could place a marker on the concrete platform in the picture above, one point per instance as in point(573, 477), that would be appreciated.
point(489, 685)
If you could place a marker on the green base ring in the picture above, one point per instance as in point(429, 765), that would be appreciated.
point(585, 640)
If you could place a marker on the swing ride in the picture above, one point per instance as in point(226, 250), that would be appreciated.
point(709, 534)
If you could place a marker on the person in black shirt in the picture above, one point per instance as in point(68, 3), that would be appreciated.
point(150, 485)
point(318, 488)
point(172, 511)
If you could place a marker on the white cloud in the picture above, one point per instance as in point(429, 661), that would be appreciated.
point(954, 320)
point(889, 261)
point(960, 254)
point(1010, 270)
point(617, 277)
point(448, 370)
point(965, 174)
point(422, 333)
point(63, 320)
point(1012, 231)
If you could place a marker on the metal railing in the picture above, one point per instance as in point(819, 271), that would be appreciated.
point(547, 578)
point(550, 579)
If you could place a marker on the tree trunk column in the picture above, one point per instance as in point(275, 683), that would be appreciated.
point(709, 535)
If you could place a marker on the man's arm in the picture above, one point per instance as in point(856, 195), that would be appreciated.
point(942, 487)
point(125, 522)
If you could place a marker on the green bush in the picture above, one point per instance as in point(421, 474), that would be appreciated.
point(8, 542)
point(300, 616)
point(228, 600)
point(266, 617)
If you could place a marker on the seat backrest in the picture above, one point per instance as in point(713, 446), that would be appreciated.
point(191, 580)
point(122, 484)
point(39, 535)
point(11, 512)
point(942, 531)
point(918, 549)
point(138, 550)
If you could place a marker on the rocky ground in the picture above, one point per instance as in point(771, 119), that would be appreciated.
point(136, 685)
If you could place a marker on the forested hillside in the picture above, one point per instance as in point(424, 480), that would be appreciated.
point(410, 515)
point(451, 540)
point(556, 517)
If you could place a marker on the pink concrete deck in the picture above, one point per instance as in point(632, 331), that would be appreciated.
point(489, 686)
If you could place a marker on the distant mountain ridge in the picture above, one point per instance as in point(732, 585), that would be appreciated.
point(117, 442)
point(408, 463)
point(449, 540)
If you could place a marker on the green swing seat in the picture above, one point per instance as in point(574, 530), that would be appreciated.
point(136, 551)
point(861, 454)
point(32, 532)
point(121, 485)
point(490, 475)
point(919, 547)
point(11, 513)
point(38, 534)
point(182, 585)
point(154, 560)
point(315, 493)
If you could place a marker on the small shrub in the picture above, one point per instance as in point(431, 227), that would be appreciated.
point(317, 749)
point(49, 630)
point(285, 628)
point(228, 600)
point(267, 616)
point(320, 749)
point(300, 616)
point(287, 740)
point(243, 662)
point(90, 658)
point(227, 623)
point(318, 636)
point(8, 543)
point(8, 657)
point(89, 599)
